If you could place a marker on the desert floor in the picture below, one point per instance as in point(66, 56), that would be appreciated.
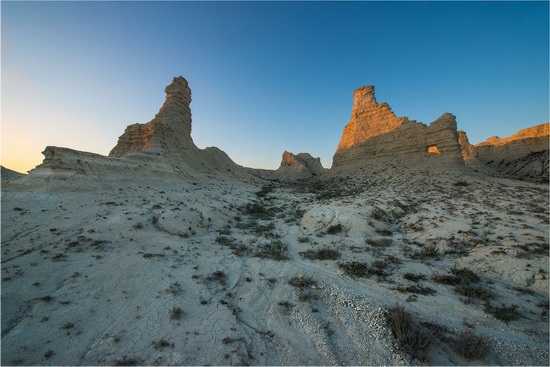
point(220, 272)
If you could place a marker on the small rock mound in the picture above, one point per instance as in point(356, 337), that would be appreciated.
point(295, 167)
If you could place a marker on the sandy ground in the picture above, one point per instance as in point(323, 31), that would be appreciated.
point(198, 273)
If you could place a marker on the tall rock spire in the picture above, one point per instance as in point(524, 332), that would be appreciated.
point(168, 132)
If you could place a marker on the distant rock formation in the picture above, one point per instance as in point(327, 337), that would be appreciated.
point(161, 147)
point(532, 139)
point(375, 132)
point(296, 167)
point(522, 155)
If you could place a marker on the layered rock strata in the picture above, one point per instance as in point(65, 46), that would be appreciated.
point(526, 141)
point(169, 131)
point(295, 167)
point(523, 155)
point(375, 132)
point(162, 147)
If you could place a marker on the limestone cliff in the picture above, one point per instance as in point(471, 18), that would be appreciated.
point(294, 167)
point(522, 155)
point(375, 132)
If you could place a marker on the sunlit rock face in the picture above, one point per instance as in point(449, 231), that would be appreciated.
point(522, 155)
point(374, 132)
point(170, 130)
point(468, 150)
point(532, 139)
point(297, 166)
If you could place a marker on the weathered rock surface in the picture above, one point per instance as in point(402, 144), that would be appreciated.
point(294, 167)
point(522, 155)
point(9, 175)
point(375, 132)
point(468, 150)
point(169, 131)
point(532, 139)
point(162, 147)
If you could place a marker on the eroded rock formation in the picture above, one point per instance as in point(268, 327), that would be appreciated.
point(375, 132)
point(162, 147)
point(169, 131)
point(294, 167)
point(468, 150)
point(522, 155)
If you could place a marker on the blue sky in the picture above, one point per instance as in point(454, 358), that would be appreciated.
point(265, 76)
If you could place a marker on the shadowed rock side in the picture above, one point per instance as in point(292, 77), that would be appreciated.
point(375, 132)
point(162, 147)
point(296, 167)
point(9, 175)
point(523, 155)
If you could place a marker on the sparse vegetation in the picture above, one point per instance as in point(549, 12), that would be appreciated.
point(48, 354)
point(414, 277)
point(473, 291)
point(160, 344)
point(323, 253)
point(410, 337)
point(176, 313)
point(67, 325)
point(355, 269)
point(470, 345)
point(219, 277)
point(274, 250)
point(417, 289)
point(504, 313)
point(302, 281)
point(379, 242)
point(335, 229)
point(127, 361)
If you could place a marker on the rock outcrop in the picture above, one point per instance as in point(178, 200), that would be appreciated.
point(469, 151)
point(162, 147)
point(295, 167)
point(169, 131)
point(375, 132)
point(532, 139)
point(523, 155)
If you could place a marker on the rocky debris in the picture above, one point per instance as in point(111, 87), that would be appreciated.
point(375, 132)
point(523, 155)
point(294, 167)
point(10, 175)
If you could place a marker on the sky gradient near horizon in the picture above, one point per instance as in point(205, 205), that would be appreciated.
point(265, 76)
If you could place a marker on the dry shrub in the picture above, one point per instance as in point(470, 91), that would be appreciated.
point(470, 345)
point(413, 339)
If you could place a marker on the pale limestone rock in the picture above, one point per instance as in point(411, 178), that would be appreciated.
point(375, 132)
point(294, 167)
point(160, 148)
point(170, 130)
